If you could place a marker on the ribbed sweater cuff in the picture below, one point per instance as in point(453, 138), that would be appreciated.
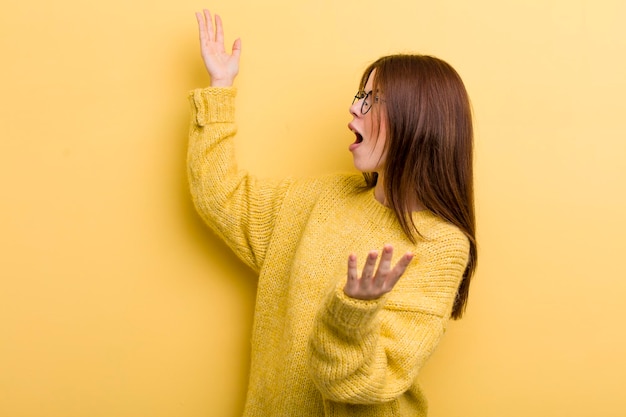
point(351, 313)
point(213, 105)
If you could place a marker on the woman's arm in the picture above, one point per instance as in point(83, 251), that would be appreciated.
point(237, 206)
point(371, 351)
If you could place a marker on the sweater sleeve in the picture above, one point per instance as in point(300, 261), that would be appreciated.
point(370, 352)
point(240, 209)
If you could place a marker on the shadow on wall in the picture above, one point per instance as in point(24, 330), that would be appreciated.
point(224, 268)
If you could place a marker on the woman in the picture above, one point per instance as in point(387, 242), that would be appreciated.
point(326, 341)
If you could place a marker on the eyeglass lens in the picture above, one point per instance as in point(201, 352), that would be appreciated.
point(365, 105)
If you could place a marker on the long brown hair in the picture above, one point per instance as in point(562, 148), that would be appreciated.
point(429, 147)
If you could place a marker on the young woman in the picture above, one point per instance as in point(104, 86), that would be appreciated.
point(330, 340)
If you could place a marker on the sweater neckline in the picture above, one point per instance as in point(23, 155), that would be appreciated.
point(385, 216)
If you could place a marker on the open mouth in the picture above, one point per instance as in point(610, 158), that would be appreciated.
point(359, 137)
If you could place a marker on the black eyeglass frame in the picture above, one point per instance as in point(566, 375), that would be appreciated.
point(362, 95)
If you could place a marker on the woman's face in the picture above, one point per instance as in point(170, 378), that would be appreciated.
point(368, 150)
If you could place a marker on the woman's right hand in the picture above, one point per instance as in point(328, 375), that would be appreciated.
point(222, 67)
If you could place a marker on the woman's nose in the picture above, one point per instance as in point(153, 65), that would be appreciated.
point(354, 108)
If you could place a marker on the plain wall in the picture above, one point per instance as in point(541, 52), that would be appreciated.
point(116, 301)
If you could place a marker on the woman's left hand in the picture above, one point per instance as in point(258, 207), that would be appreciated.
point(374, 284)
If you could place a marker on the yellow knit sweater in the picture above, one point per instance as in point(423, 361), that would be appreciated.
point(315, 351)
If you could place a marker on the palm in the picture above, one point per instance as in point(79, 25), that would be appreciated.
point(222, 67)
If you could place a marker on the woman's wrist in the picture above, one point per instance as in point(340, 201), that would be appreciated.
point(222, 83)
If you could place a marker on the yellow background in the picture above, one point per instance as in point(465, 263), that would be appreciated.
point(116, 301)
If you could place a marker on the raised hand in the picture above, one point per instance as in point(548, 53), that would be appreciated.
point(222, 67)
point(374, 284)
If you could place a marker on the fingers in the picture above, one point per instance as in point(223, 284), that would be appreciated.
point(209, 25)
point(375, 282)
point(384, 266)
point(353, 274)
point(210, 34)
point(202, 28)
point(205, 25)
point(370, 264)
point(219, 30)
point(399, 269)
point(237, 48)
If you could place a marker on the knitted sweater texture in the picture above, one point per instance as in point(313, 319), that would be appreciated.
point(315, 351)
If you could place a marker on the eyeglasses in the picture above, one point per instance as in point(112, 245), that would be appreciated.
point(368, 100)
